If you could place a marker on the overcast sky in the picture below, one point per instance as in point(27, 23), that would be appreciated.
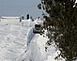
point(19, 7)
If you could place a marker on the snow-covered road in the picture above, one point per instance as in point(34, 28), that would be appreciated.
point(12, 41)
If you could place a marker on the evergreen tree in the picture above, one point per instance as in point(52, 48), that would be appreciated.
point(62, 16)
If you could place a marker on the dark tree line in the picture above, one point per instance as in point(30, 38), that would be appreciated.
point(63, 16)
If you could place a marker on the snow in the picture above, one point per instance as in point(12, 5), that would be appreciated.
point(19, 43)
point(38, 21)
point(13, 39)
point(30, 35)
point(12, 42)
point(9, 17)
point(36, 50)
point(9, 21)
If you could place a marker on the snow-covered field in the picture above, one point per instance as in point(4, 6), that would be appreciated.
point(19, 43)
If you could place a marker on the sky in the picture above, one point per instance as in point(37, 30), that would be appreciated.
point(19, 8)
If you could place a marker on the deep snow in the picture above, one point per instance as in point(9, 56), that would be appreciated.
point(19, 43)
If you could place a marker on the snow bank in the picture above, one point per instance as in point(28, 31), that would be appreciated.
point(36, 50)
point(30, 35)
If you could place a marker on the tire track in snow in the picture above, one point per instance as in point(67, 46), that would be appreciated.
point(30, 37)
